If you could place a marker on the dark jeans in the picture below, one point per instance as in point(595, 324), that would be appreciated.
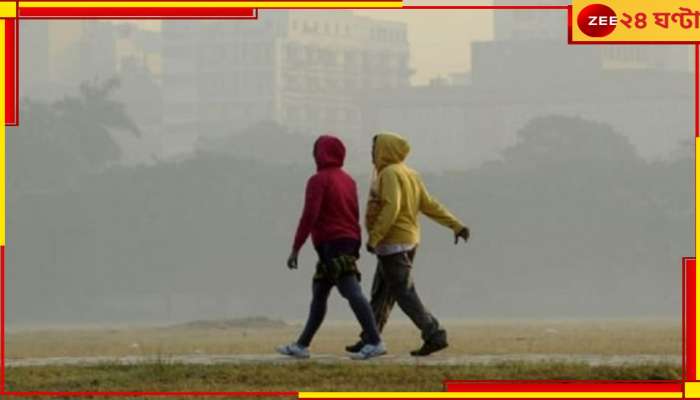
point(349, 288)
point(393, 284)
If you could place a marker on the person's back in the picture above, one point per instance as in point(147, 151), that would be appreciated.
point(400, 195)
point(331, 217)
point(396, 197)
point(331, 210)
point(338, 216)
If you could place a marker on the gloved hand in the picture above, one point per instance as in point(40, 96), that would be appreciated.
point(463, 233)
point(292, 260)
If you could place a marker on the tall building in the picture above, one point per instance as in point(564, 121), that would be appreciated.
point(662, 57)
point(528, 24)
point(551, 25)
point(34, 58)
point(302, 70)
point(530, 71)
point(97, 51)
point(81, 51)
point(56, 56)
point(136, 44)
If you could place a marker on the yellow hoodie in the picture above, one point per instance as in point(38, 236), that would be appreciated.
point(397, 195)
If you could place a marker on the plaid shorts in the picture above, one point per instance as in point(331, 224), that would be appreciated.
point(336, 268)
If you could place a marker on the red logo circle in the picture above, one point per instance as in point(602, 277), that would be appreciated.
point(597, 20)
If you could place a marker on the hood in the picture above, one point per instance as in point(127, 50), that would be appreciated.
point(389, 148)
point(329, 152)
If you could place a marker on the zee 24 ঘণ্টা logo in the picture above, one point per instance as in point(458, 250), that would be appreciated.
point(597, 20)
point(640, 21)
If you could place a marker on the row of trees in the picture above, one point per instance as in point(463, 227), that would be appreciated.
point(571, 222)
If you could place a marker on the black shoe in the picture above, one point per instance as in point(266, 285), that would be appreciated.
point(429, 348)
point(355, 347)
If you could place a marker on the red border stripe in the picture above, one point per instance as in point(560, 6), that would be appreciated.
point(137, 12)
point(3, 304)
point(684, 370)
point(689, 308)
point(11, 92)
point(573, 386)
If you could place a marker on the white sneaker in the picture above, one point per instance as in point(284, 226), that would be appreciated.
point(369, 351)
point(293, 350)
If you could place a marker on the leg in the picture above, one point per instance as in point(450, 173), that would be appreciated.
point(350, 289)
point(320, 291)
point(397, 273)
point(383, 299)
point(382, 302)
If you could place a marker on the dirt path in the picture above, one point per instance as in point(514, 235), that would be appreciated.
point(437, 359)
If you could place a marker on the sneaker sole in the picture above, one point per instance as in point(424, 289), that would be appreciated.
point(432, 352)
point(368, 358)
point(299, 357)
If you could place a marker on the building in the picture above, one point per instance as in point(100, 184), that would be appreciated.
point(34, 58)
point(301, 69)
point(530, 71)
point(524, 25)
point(96, 50)
point(551, 25)
point(514, 81)
point(57, 56)
point(141, 45)
point(81, 51)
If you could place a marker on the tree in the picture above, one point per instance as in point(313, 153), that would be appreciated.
point(265, 141)
point(57, 143)
point(561, 140)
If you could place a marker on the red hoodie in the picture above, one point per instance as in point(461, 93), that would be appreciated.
point(330, 208)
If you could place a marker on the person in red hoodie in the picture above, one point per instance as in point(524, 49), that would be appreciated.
point(331, 217)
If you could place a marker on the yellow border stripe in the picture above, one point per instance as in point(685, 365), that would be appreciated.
point(8, 9)
point(692, 389)
point(208, 4)
point(490, 395)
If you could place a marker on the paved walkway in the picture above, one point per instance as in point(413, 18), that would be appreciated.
point(435, 359)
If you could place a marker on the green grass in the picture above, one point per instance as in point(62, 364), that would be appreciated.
point(308, 376)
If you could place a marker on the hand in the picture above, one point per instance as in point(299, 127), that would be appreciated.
point(292, 260)
point(370, 249)
point(463, 233)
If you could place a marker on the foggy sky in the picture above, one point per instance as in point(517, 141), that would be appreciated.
point(577, 193)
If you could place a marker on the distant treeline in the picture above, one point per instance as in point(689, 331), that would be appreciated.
point(570, 223)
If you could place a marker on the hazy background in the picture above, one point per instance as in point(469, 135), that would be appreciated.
point(158, 171)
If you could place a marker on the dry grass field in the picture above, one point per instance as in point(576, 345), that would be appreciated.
point(306, 376)
point(600, 337)
point(467, 339)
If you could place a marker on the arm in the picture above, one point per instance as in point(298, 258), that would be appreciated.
point(373, 205)
point(312, 208)
point(434, 210)
point(390, 199)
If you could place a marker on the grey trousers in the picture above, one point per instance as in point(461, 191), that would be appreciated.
point(393, 284)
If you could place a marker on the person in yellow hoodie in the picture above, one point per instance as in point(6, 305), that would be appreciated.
point(396, 197)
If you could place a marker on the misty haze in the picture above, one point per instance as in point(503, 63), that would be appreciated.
point(157, 173)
